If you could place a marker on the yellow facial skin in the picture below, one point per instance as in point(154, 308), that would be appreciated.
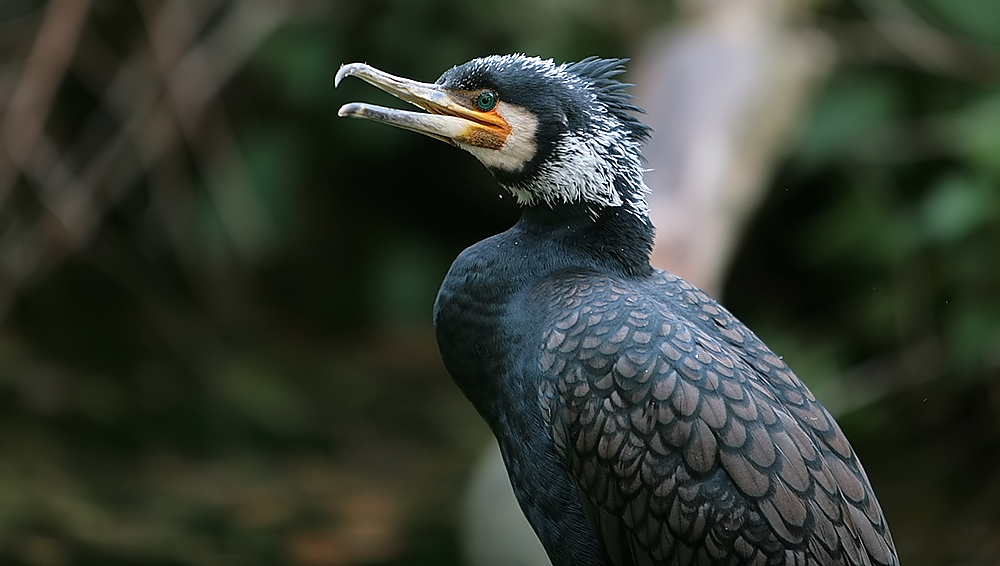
point(451, 115)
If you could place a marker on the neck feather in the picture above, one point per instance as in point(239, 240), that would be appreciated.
point(603, 237)
point(601, 167)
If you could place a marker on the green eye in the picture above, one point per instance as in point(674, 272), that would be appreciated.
point(487, 100)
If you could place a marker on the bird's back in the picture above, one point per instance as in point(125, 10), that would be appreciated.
point(692, 442)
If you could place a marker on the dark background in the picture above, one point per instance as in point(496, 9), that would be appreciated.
point(215, 343)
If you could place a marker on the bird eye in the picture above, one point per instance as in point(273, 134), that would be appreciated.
point(487, 100)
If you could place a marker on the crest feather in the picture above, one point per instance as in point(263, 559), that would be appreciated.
point(600, 74)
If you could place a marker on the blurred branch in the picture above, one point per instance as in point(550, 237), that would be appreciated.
point(192, 70)
point(24, 118)
point(192, 77)
point(929, 47)
point(913, 365)
point(723, 94)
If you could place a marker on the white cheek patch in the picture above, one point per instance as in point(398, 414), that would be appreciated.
point(600, 166)
point(520, 146)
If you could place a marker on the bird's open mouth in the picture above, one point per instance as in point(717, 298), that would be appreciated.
point(450, 116)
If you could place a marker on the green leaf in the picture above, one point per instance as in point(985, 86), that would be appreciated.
point(865, 224)
point(972, 337)
point(846, 117)
point(976, 18)
point(957, 206)
point(304, 58)
point(977, 130)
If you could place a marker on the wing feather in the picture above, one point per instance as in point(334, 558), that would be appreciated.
point(690, 441)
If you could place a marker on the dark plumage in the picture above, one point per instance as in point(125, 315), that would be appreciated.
point(640, 422)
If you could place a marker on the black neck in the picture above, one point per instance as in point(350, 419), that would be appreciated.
point(617, 238)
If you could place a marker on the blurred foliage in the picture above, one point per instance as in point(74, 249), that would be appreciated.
point(231, 361)
point(227, 357)
point(873, 268)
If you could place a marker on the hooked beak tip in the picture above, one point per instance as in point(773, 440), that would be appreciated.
point(345, 70)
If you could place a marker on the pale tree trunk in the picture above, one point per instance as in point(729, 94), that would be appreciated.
point(723, 91)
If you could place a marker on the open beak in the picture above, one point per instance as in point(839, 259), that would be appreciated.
point(447, 118)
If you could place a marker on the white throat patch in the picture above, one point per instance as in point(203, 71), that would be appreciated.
point(585, 166)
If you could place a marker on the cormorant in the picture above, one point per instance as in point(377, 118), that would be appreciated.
point(640, 422)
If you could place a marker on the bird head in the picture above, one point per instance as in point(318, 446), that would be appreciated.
point(549, 133)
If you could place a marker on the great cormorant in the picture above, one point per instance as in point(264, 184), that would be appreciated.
point(640, 422)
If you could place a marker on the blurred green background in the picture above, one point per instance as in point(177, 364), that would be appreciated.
point(215, 296)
